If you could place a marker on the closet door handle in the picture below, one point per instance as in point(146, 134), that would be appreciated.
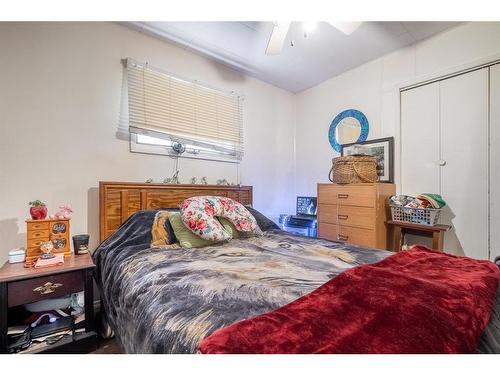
point(342, 217)
point(442, 163)
point(341, 237)
point(342, 196)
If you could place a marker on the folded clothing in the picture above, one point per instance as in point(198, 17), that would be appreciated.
point(401, 200)
point(435, 200)
point(57, 260)
point(416, 301)
point(425, 200)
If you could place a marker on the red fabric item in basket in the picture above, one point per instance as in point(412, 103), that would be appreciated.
point(416, 301)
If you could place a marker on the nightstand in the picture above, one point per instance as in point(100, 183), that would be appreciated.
point(401, 228)
point(19, 286)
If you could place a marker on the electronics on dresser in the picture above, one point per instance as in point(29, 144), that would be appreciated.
point(304, 223)
point(307, 206)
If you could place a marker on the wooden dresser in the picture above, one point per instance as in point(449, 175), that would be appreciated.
point(355, 213)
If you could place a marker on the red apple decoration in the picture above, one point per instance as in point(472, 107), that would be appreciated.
point(38, 210)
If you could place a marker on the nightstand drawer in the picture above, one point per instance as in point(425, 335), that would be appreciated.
point(38, 226)
point(21, 292)
point(38, 234)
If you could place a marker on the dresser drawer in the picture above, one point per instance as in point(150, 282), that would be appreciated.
point(42, 225)
point(350, 195)
point(351, 235)
point(60, 243)
point(362, 217)
point(35, 243)
point(38, 234)
point(21, 292)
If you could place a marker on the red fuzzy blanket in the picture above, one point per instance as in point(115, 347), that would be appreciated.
point(416, 301)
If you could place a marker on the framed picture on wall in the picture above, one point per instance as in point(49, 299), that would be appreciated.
point(382, 149)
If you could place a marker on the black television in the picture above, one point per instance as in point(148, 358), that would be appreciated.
point(307, 206)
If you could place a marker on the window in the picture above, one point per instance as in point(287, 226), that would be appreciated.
point(168, 115)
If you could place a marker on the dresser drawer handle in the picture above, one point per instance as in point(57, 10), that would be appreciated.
point(343, 196)
point(47, 288)
point(340, 237)
point(342, 217)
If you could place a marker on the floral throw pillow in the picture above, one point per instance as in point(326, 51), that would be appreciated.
point(199, 215)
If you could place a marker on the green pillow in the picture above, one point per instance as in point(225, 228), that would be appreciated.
point(186, 238)
point(236, 234)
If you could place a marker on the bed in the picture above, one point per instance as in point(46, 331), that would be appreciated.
point(167, 301)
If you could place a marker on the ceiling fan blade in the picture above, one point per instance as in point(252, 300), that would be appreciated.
point(277, 38)
point(346, 27)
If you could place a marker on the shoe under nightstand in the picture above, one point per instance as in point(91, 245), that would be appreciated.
point(20, 285)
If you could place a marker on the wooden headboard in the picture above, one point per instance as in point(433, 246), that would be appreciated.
point(119, 200)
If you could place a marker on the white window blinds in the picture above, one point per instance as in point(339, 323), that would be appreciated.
point(171, 108)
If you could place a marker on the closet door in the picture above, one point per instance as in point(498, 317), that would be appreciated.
point(420, 139)
point(494, 161)
point(464, 166)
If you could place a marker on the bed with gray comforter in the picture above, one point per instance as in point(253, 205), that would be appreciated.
point(167, 301)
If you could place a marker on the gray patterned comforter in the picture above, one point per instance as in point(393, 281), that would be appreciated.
point(167, 301)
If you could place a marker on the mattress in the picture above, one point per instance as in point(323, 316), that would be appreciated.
point(167, 301)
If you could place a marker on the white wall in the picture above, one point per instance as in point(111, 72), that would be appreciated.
point(373, 89)
point(60, 96)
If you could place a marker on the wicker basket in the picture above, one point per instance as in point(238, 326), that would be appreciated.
point(353, 169)
point(424, 216)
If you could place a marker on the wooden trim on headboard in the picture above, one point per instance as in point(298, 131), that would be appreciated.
point(119, 200)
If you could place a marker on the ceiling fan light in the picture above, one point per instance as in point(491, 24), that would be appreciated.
point(346, 27)
point(309, 27)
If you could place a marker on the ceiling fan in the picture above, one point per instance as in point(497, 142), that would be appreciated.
point(280, 30)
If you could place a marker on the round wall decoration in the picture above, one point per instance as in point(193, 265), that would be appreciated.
point(349, 126)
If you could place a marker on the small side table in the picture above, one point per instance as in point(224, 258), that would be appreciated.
point(19, 285)
point(435, 231)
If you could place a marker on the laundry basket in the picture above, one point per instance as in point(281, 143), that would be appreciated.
point(424, 216)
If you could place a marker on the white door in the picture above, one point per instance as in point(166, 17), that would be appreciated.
point(464, 155)
point(494, 161)
point(420, 140)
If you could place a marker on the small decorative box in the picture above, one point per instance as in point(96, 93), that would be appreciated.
point(39, 231)
point(17, 255)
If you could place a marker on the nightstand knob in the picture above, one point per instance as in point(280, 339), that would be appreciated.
point(47, 288)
